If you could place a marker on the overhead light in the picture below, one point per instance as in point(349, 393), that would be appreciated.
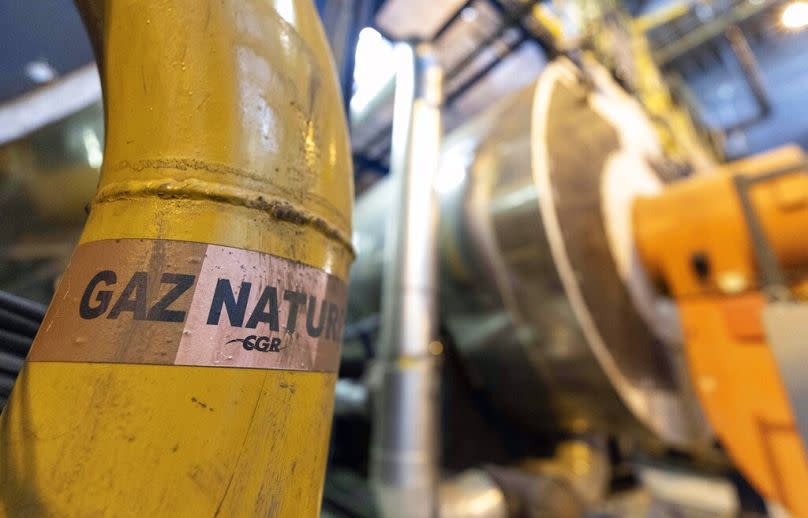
point(40, 72)
point(795, 15)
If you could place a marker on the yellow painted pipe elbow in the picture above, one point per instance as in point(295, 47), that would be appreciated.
point(187, 362)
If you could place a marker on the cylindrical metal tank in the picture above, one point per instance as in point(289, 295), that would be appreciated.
point(541, 291)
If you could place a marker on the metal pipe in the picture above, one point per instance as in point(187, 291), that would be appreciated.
point(709, 31)
point(404, 472)
point(361, 117)
point(186, 365)
point(30, 112)
point(751, 74)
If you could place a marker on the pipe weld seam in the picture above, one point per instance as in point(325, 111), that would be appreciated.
point(193, 189)
point(192, 164)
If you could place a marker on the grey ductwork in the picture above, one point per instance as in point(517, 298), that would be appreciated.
point(404, 472)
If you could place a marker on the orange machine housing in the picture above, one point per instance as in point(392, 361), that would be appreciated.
point(694, 242)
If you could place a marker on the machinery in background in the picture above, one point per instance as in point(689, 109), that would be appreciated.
point(589, 298)
point(620, 42)
point(503, 300)
point(729, 247)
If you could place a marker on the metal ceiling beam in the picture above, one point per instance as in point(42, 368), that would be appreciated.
point(506, 49)
point(710, 30)
point(546, 44)
point(502, 53)
point(451, 20)
point(661, 16)
point(510, 20)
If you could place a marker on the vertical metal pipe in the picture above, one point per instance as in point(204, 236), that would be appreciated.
point(405, 432)
point(751, 71)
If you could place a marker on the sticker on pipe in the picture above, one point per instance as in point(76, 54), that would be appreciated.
point(180, 303)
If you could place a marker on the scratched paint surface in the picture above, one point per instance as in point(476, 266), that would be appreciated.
point(230, 442)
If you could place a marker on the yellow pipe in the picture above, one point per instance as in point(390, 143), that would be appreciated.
point(226, 158)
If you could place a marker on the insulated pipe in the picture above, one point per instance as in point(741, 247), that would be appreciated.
point(403, 453)
point(186, 365)
point(365, 114)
